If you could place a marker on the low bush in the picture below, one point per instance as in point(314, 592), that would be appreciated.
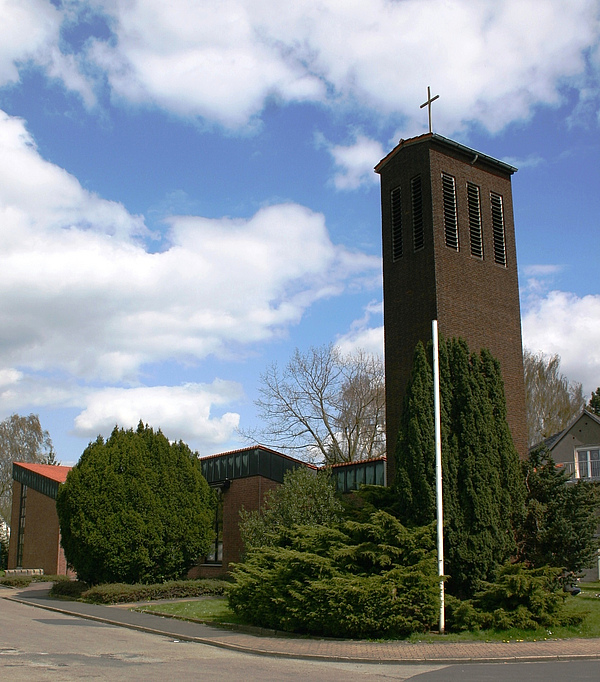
point(25, 580)
point(16, 580)
point(521, 597)
point(362, 579)
point(118, 593)
point(71, 589)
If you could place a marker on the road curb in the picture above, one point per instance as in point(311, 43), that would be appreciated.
point(258, 651)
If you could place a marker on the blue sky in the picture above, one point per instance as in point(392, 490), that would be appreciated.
point(187, 190)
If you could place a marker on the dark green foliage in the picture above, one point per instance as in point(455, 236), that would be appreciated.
point(520, 597)
point(69, 589)
point(135, 508)
point(559, 528)
point(119, 593)
point(594, 404)
point(483, 489)
point(358, 580)
point(305, 498)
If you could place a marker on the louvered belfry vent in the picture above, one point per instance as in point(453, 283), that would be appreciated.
point(396, 202)
point(498, 229)
point(417, 213)
point(474, 206)
point(450, 220)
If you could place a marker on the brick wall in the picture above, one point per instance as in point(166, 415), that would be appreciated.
point(41, 548)
point(471, 298)
point(248, 493)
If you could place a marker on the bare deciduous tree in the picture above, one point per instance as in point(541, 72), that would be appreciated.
point(552, 401)
point(22, 439)
point(325, 404)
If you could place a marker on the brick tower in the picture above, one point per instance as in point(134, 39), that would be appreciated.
point(449, 254)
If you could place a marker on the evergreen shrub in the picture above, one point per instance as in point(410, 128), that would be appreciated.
point(361, 579)
point(483, 486)
point(135, 508)
point(521, 597)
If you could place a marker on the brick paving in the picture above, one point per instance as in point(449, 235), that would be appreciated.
point(312, 648)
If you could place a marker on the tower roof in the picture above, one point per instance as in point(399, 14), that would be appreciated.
point(470, 155)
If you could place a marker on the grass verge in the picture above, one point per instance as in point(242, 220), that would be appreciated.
point(213, 611)
point(216, 611)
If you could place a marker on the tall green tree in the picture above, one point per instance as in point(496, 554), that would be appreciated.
point(561, 520)
point(135, 508)
point(22, 439)
point(594, 404)
point(483, 489)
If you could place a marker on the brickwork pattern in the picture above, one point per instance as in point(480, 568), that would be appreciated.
point(248, 493)
point(471, 298)
point(41, 546)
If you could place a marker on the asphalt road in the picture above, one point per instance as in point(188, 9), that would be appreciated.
point(41, 645)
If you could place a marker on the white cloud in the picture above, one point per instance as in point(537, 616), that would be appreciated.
point(30, 34)
point(9, 377)
point(563, 323)
point(29, 27)
point(80, 293)
point(181, 412)
point(354, 163)
point(492, 61)
point(362, 335)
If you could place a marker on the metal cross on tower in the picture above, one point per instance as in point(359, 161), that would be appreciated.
point(427, 104)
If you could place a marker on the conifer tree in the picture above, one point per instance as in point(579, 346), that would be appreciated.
point(483, 489)
point(135, 508)
point(594, 404)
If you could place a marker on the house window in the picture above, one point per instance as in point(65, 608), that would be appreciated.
point(21, 531)
point(587, 462)
point(498, 229)
point(396, 224)
point(450, 219)
point(417, 213)
point(215, 556)
point(474, 206)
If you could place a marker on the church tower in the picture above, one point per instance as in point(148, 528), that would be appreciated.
point(449, 254)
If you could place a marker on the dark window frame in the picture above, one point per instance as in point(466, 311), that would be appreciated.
point(450, 211)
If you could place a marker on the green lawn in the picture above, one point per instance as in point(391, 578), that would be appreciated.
point(215, 611)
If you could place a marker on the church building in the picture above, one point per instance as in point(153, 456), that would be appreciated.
point(449, 254)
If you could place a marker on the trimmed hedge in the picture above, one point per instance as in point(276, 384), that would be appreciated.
point(26, 580)
point(117, 593)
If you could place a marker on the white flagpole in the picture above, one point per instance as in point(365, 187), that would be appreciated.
point(438, 469)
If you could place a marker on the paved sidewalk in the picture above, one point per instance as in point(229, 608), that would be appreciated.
point(311, 648)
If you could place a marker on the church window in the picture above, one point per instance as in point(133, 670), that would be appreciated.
point(474, 206)
point(498, 229)
point(396, 224)
point(450, 219)
point(215, 556)
point(21, 527)
point(417, 213)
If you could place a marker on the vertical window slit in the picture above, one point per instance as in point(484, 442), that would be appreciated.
point(474, 206)
point(450, 219)
point(396, 224)
point(498, 229)
point(417, 213)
